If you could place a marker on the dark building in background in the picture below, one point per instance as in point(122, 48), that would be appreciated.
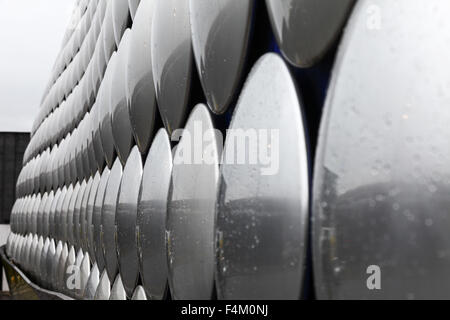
point(12, 147)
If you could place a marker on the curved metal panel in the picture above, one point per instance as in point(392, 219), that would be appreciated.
point(381, 181)
point(191, 210)
point(152, 215)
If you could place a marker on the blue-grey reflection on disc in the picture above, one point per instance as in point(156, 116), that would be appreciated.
point(172, 60)
point(152, 215)
point(220, 57)
point(306, 30)
point(191, 209)
point(121, 125)
point(140, 87)
point(108, 226)
point(95, 241)
point(263, 208)
point(127, 206)
point(104, 287)
point(381, 207)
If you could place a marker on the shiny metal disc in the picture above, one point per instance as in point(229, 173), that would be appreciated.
point(127, 206)
point(381, 186)
point(71, 210)
point(65, 213)
point(121, 125)
point(117, 290)
point(59, 213)
point(86, 227)
point(191, 210)
point(84, 272)
point(55, 266)
point(172, 60)
point(120, 16)
point(133, 5)
point(92, 284)
point(105, 111)
point(263, 208)
point(220, 32)
point(80, 229)
point(141, 94)
point(104, 287)
point(49, 263)
point(152, 215)
point(305, 30)
point(61, 268)
point(108, 226)
point(139, 294)
point(95, 240)
point(76, 215)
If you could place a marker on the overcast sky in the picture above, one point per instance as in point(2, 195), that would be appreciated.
point(31, 32)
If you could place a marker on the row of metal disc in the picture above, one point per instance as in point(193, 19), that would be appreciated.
point(58, 267)
point(162, 67)
point(158, 220)
point(381, 180)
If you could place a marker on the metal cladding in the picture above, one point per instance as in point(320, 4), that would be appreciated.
point(306, 30)
point(125, 192)
point(262, 217)
point(220, 32)
point(381, 178)
point(152, 216)
point(192, 201)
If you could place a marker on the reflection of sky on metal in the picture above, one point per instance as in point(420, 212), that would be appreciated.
point(30, 38)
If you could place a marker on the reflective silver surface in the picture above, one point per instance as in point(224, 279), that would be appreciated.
point(139, 294)
point(92, 284)
point(306, 30)
point(191, 208)
point(133, 6)
point(152, 215)
point(108, 227)
point(381, 179)
point(95, 238)
point(220, 32)
point(87, 226)
point(104, 287)
point(120, 16)
point(121, 125)
point(117, 290)
point(126, 214)
point(262, 215)
point(139, 77)
point(105, 112)
point(172, 60)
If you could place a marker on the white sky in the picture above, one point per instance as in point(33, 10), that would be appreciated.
point(31, 32)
